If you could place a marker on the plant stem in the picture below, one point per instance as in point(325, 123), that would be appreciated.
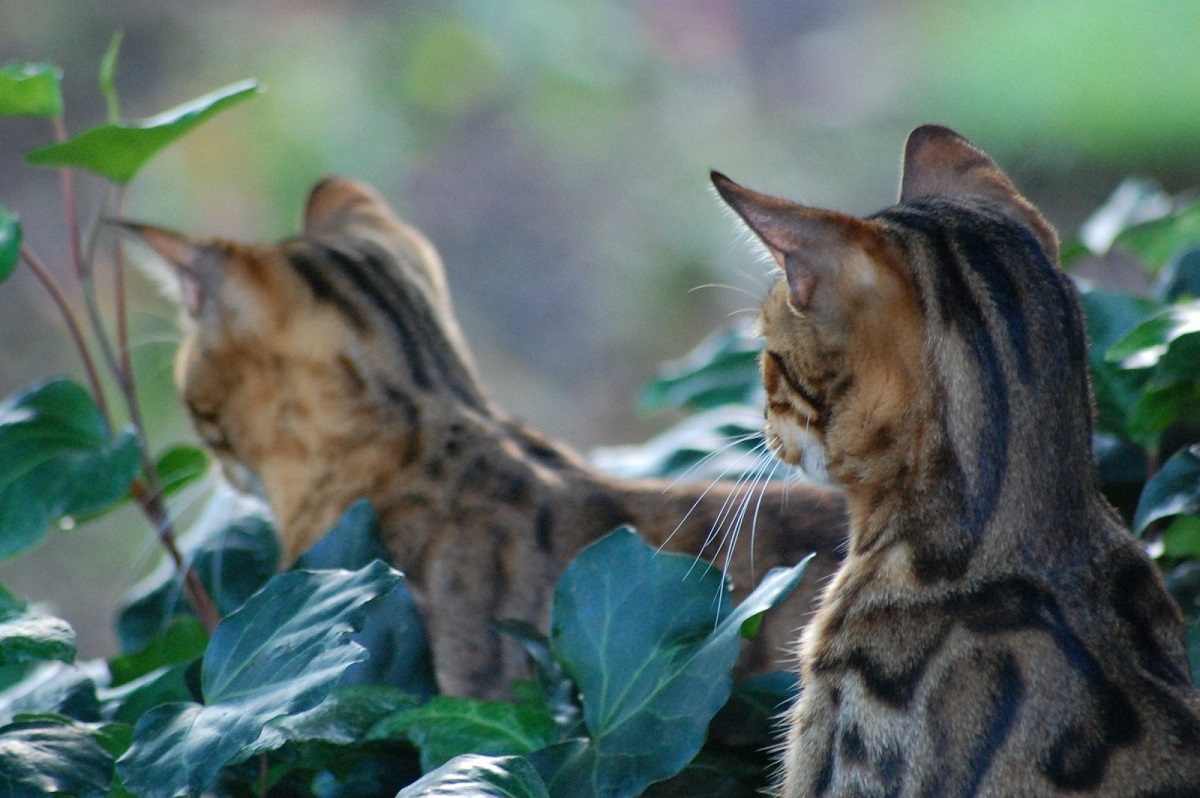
point(56, 293)
point(152, 505)
point(69, 209)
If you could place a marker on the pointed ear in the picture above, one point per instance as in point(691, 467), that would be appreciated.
point(335, 200)
point(185, 257)
point(810, 245)
point(940, 162)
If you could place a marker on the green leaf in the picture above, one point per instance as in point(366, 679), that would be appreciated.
point(1155, 242)
point(10, 243)
point(473, 776)
point(133, 699)
point(52, 757)
point(1174, 490)
point(57, 459)
point(119, 151)
point(1145, 345)
point(179, 467)
point(31, 90)
point(232, 561)
point(1180, 278)
point(32, 637)
point(718, 443)
point(556, 689)
point(183, 640)
point(1110, 317)
point(650, 640)
point(52, 687)
point(108, 67)
point(1182, 538)
point(447, 727)
point(392, 634)
point(722, 369)
point(280, 654)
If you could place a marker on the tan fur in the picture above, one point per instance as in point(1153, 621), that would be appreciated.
point(310, 394)
point(994, 631)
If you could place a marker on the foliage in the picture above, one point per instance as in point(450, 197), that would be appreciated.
point(235, 680)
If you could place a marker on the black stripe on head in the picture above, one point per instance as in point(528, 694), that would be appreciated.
point(960, 311)
point(429, 354)
point(307, 264)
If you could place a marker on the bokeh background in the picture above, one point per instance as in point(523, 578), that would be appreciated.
point(557, 153)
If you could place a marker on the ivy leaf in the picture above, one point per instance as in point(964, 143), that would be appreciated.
point(691, 447)
point(52, 687)
point(1156, 241)
point(133, 699)
point(1110, 317)
point(1174, 490)
point(119, 151)
point(32, 637)
point(10, 243)
point(183, 640)
point(31, 90)
point(1147, 343)
point(722, 369)
point(53, 757)
point(473, 776)
point(57, 459)
point(179, 467)
point(650, 641)
point(392, 634)
point(280, 654)
point(232, 560)
point(447, 727)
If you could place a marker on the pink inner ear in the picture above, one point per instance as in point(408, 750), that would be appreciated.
point(190, 291)
point(802, 283)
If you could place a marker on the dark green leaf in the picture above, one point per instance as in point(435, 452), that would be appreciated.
point(108, 68)
point(133, 699)
point(650, 640)
point(1180, 278)
point(31, 90)
point(30, 636)
point(1174, 490)
point(52, 757)
point(473, 776)
point(57, 460)
point(232, 560)
point(556, 688)
point(1110, 317)
point(183, 640)
point(393, 633)
point(280, 654)
point(447, 727)
point(10, 242)
point(1148, 342)
point(180, 466)
point(751, 716)
point(700, 781)
point(1182, 538)
point(723, 369)
point(348, 715)
point(1117, 459)
point(119, 151)
point(1156, 241)
point(52, 687)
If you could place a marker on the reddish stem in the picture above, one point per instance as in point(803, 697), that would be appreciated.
point(68, 190)
point(56, 293)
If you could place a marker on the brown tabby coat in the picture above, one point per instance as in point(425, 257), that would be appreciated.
point(330, 366)
point(995, 630)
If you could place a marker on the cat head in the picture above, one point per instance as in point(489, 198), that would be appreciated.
point(290, 346)
point(925, 335)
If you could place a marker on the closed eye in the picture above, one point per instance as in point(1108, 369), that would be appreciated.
point(797, 388)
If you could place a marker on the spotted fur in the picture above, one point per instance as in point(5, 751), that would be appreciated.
point(995, 630)
point(330, 366)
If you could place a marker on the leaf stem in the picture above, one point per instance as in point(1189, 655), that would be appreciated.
point(56, 293)
point(69, 207)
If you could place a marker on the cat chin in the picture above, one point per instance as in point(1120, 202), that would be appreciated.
point(800, 447)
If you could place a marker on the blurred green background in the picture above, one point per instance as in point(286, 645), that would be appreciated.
point(557, 153)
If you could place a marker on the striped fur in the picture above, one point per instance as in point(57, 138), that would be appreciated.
point(331, 366)
point(995, 630)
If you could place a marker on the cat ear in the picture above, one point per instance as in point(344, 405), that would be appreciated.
point(940, 162)
point(335, 200)
point(185, 258)
point(810, 245)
